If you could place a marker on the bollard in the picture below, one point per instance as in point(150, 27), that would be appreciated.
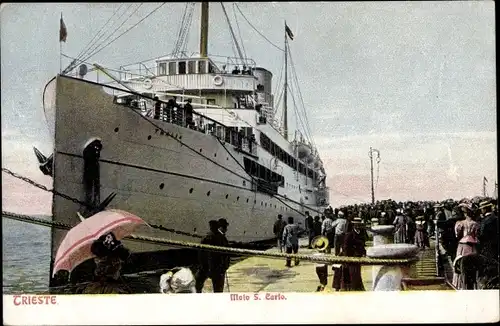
point(388, 278)
point(383, 234)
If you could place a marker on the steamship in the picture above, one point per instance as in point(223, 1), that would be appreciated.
point(135, 147)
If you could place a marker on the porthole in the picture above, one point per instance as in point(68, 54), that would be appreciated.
point(180, 137)
point(227, 158)
point(116, 129)
point(162, 185)
point(247, 200)
point(149, 137)
point(227, 196)
point(194, 230)
point(208, 193)
point(201, 150)
point(215, 154)
point(191, 190)
point(237, 198)
point(244, 232)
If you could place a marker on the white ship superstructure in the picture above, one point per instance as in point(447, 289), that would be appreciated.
point(234, 161)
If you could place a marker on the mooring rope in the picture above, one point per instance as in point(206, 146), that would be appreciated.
point(239, 251)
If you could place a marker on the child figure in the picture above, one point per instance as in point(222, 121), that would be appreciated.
point(320, 243)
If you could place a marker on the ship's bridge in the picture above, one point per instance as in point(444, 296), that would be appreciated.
point(194, 73)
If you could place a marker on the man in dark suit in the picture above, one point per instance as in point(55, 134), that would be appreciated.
point(278, 228)
point(213, 264)
point(488, 234)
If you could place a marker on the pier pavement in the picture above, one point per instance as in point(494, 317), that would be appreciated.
point(262, 274)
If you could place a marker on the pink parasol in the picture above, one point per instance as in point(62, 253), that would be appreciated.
point(75, 247)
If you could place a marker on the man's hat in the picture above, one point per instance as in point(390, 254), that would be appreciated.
point(279, 215)
point(357, 220)
point(484, 204)
point(107, 245)
point(223, 222)
point(320, 243)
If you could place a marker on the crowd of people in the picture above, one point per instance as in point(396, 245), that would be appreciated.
point(468, 230)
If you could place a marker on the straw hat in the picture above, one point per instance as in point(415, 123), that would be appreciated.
point(357, 220)
point(465, 205)
point(320, 243)
point(484, 204)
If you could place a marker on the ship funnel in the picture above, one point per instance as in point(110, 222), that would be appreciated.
point(45, 164)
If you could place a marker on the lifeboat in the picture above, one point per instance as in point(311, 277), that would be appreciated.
point(304, 150)
point(317, 163)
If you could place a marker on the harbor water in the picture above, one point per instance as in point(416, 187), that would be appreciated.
point(26, 257)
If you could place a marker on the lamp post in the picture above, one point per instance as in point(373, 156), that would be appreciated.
point(370, 154)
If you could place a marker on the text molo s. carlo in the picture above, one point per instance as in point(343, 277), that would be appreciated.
point(27, 300)
point(257, 296)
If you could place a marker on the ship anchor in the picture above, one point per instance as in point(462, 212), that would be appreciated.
point(91, 179)
point(45, 164)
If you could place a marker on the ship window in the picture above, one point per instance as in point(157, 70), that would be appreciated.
point(191, 67)
point(211, 69)
point(172, 68)
point(210, 101)
point(182, 67)
point(202, 67)
point(163, 69)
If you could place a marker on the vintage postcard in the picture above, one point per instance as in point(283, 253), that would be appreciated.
point(254, 162)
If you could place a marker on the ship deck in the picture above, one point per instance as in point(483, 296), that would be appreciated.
point(261, 274)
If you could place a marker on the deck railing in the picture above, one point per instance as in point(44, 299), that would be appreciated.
point(200, 123)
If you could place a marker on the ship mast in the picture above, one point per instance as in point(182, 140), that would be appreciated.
point(204, 30)
point(285, 92)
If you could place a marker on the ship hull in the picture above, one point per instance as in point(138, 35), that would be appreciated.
point(160, 178)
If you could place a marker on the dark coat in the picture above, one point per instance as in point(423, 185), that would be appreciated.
point(278, 227)
point(215, 263)
point(354, 246)
point(317, 228)
point(488, 236)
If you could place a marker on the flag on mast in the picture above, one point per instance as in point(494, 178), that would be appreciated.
point(63, 33)
point(288, 32)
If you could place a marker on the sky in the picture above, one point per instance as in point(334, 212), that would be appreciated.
point(415, 80)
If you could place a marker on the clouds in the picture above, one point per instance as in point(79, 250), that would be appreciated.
point(416, 80)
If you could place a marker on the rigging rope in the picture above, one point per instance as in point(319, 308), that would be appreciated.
point(95, 46)
point(255, 29)
point(87, 47)
point(179, 34)
point(239, 33)
point(140, 21)
point(246, 252)
point(307, 124)
point(233, 36)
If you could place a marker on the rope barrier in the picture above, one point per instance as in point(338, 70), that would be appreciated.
point(229, 250)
